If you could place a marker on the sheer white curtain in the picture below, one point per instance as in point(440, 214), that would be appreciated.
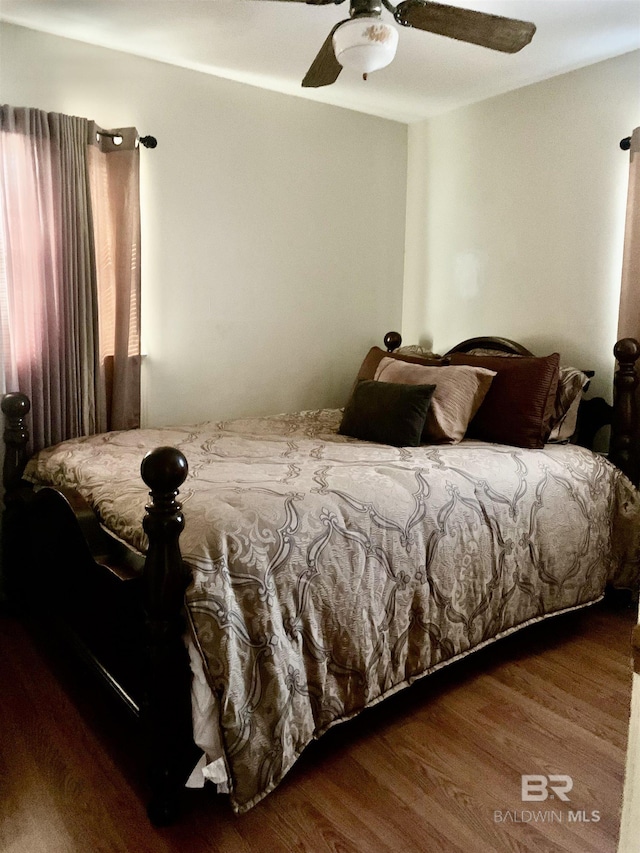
point(69, 272)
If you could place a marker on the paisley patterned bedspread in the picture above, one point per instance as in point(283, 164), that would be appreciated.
point(328, 572)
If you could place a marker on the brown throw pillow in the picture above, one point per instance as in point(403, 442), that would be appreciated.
point(387, 412)
point(460, 390)
point(375, 355)
point(520, 403)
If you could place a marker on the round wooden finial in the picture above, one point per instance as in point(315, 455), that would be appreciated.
point(392, 340)
point(15, 405)
point(627, 350)
point(164, 469)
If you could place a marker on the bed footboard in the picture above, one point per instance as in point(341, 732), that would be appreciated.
point(143, 658)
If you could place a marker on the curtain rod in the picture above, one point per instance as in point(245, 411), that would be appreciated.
point(625, 143)
point(147, 141)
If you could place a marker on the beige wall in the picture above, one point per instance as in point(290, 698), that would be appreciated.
point(273, 234)
point(274, 227)
point(515, 216)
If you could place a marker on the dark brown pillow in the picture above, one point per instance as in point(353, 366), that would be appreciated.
point(387, 412)
point(375, 355)
point(520, 403)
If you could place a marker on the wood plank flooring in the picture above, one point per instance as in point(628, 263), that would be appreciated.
point(436, 768)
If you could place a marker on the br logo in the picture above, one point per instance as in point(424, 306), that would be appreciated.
point(536, 788)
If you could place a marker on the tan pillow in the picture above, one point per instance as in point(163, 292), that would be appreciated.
point(458, 395)
point(571, 383)
point(417, 351)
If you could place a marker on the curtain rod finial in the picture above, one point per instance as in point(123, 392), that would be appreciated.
point(149, 141)
point(625, 143)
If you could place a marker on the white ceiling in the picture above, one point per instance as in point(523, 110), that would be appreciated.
point(271, 44)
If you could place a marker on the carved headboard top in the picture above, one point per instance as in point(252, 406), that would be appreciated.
point(486, 344)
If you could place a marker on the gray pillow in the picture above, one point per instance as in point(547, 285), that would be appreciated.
point(387, 412)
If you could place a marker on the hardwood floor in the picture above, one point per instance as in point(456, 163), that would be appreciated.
point(435, 768)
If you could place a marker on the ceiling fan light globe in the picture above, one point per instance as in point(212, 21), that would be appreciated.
point(365, 44)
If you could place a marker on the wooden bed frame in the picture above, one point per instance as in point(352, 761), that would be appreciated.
point(134, 638)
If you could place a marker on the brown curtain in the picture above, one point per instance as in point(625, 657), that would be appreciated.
point(69, 272)
point(114, 179)
point(629, 317)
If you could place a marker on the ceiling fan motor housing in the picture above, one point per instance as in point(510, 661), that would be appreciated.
point(365, 43)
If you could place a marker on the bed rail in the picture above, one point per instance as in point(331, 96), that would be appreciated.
point(164, 697)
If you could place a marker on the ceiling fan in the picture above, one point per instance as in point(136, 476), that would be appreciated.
point(367, 43)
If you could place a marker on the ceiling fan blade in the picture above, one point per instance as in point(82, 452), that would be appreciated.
point(325, 68)
point(493, 31)
point(317, 2)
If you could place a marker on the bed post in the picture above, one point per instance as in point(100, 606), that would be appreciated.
point(166, 710)
point(392, 340)
point(15, 408)
point(624, 451)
